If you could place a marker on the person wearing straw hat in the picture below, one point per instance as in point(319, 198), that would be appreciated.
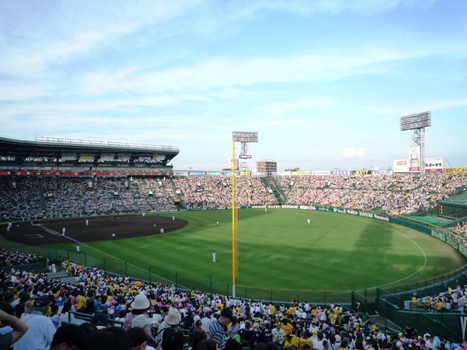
point(139, 306)
point(141, 321)
point(171, 320)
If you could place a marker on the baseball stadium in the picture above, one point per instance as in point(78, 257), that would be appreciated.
point(387, 244)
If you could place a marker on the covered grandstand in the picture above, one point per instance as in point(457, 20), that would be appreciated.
point(80, 155)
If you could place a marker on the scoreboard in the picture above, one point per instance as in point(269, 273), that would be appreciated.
point(452, 210)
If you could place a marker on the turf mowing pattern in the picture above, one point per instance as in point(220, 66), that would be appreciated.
point(279, 250)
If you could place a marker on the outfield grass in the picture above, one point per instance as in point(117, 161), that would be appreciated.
point(281, 256)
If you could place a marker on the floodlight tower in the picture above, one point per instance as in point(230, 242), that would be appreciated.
point(417, 123)
point(244, 137)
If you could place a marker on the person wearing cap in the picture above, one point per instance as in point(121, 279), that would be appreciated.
point(41, 328)
point(199, 325)
point(217, 329)
point(100, 320)
point(69, 336)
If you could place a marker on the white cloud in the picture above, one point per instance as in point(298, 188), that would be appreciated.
point(18, 91)
point(74, 30)
point(234, 73)
point(244, 9)
point(351, 152)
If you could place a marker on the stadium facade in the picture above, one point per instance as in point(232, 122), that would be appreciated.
point(66, 156)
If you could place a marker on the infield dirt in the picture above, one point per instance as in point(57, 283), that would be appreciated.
point(98, 229)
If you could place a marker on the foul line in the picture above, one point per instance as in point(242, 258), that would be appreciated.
point(55, 233)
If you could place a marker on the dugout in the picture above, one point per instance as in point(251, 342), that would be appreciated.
point(452, 210)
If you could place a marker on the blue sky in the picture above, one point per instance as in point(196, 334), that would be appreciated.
point(323, 82)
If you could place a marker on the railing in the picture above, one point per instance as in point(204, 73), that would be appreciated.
point(84, 317)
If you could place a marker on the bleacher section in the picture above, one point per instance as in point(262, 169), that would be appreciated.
point(394, 195)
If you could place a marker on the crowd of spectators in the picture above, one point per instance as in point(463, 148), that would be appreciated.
point(448, 301)
point(216, 192)
point(120, 308)
point(32, 198)
point(125, 314)
point(20, 198)
point(8, 258)
point(460, 228)
point(394, 195)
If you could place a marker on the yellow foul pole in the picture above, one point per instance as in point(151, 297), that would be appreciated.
point(234, 224)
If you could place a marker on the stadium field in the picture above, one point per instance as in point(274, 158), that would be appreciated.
point(281, 256)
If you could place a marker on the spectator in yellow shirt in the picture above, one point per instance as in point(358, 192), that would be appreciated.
point(286, 326)
point(305, 341)
point(292, 340)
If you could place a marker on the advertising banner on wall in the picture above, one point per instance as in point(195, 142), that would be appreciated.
point(340, 172)
point(361, 172)
point(86, 157)
point(414, 158)
point(434, 164)
point(400, 166)
point(245, 163)
point(381, 172)
point(300, 173)
point(455, 170)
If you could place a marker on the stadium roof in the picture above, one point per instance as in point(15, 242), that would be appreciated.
point(58, 149)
